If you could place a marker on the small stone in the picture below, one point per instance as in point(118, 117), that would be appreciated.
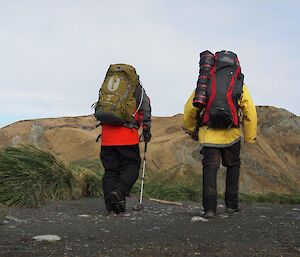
point(223, 216)
point(84, 215)
point(49, 238)
point(198, 219)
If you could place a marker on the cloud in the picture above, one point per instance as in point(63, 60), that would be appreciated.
point(54, 54)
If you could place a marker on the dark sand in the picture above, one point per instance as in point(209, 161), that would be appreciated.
point(157, 230)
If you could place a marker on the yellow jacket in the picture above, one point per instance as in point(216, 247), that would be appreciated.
point(224, 137)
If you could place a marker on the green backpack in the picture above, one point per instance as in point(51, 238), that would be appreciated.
point(116, 103)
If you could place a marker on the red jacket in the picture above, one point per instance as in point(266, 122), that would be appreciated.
point(118, 135)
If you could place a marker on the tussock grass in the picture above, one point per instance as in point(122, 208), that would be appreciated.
point(89, 182)
point(30, 176)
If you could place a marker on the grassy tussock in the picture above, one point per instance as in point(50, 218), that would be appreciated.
point(89, 182)
point(30, 176)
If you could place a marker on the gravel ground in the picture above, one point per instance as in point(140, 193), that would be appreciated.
point(157, 230)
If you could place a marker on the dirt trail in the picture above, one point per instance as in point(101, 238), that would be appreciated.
point(158, 230)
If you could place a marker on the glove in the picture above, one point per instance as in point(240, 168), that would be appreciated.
point(146, 134)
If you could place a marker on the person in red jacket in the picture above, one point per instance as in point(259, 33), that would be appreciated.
point(120, 154)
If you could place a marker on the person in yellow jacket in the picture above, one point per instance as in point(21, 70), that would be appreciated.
point(222, 144)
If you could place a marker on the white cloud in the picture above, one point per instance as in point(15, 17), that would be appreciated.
point(54, 54)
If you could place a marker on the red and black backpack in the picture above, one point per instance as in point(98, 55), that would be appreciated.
point(223, 91)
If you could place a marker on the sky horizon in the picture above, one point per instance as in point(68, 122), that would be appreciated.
point(54, 54)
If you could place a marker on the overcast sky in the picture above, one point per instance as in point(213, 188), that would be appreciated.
point(54, 53)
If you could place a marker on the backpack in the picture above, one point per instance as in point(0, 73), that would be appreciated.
point(116, 104)
point(223, 92)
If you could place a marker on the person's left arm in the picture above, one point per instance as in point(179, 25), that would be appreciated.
point(189, 115)
point(143, 102)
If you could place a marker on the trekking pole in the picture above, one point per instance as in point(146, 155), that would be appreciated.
point(140, 205)
point(143, 175)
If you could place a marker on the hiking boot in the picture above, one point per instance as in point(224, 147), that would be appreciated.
point(118, 201)
point(209, 215)
point(229, 210)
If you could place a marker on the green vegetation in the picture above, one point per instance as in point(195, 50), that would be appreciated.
point(89, 173)
point(292, 198)
point(172, 192)
point(180, 183)
point(93, 164)
point(89, 181)
point(30, 176)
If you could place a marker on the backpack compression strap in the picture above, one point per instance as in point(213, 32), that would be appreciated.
point(232, 107)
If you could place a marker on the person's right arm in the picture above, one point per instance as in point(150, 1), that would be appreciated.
point(249, 116)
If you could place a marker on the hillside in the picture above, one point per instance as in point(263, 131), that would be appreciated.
point(273, 164)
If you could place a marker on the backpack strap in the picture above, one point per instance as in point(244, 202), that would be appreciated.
point(141, 101)
point(195, 132)
point(234, 111)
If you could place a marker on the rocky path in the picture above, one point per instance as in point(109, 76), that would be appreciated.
point(157, 230)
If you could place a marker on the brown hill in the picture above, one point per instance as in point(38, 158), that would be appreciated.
point(273, 164)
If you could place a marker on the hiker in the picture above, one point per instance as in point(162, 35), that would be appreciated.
point(213, 115)
point(123, 107)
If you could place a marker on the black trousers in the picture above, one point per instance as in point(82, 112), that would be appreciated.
point(122, 165)
point(211, 162)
